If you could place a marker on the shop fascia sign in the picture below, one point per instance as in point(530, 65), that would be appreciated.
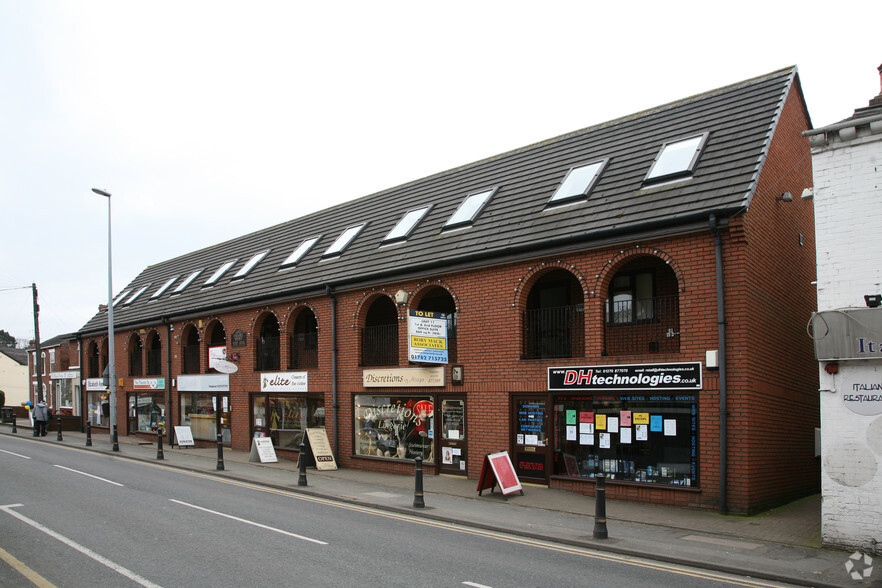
point(284, 382)
point(68, 375)
point(204, 383)
point(847, 333)
point(403, 377)
point(620, 378)
point(148, 383)
point(95, 384)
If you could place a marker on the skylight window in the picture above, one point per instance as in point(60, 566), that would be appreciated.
point(470, 208)
point(677, 158)
point(406, 225)
point(343, 241)
point(579, 182)
point(301, 250)
point(251, 263)
point(220, 272)
point(187, 282)
point(134, 296)
point(164, 287)
point(121, 297)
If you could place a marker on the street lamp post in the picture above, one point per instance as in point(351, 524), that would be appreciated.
point(111, 360)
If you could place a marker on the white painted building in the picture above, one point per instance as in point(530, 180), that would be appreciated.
point(847, 162)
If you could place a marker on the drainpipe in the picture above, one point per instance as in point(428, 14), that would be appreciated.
point(169, 329)
point(721, 337)
point(84, 411)
point(334, 366)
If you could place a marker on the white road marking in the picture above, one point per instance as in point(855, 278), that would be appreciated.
point(7, 508)
point(475, 585)
point(247, 522)
point(15, 454)
point(90, 475)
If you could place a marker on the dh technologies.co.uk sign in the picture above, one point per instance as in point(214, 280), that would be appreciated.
point(612, 378)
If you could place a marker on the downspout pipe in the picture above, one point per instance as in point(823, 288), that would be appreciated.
point(721, 355)
point(334, 400)
point(169, 329)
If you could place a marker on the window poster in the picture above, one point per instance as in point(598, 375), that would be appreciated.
point(586, 439)
point(641, 418)
point(600, 422)
point(625, 436)
point(641, 432)
point(625, 417)
point(586, 417)
point(670, 428)
point(571, 417)
point(571, 432)
point(612, 424)
point(605, 440)
point(655, 423)
point(586, 428)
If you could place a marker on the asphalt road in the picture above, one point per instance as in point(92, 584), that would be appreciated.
point(73, 518)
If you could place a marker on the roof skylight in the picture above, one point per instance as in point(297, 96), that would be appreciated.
point(187, 282)
point(137, 293)
point(251, 263)
point(301, 250)
point(343, 240)
point(677, 158)
point(164, 287)
point(406, 225)
point(470, 208)
point(579, 182)
point(220, 272)
point(120, 298)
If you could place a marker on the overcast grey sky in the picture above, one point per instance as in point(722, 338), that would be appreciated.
point(207, 120)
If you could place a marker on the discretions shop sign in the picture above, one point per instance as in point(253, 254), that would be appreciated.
point(620, 378)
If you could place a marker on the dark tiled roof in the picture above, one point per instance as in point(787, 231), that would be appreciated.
point(18, 355)
point(517, 221)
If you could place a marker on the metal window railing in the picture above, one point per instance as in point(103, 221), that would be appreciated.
point(191, 359)
point(304, 350)
point(650, 325)
point(554, 332)
point(154, 362)
point(379, 345)
point(136, 363)
point(268, 352)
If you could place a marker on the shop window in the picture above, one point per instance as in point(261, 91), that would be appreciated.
point(190, 350)
point(395, 427)
point(285, 417)
point(439, 300)
point(136, 357)
point(304, 341)
point(154, 354)
point(379, 337)
point(642, 312)
point(268, 344)
point(199, 412)
point(147, 410)
point(554, 320)
point(640, 438)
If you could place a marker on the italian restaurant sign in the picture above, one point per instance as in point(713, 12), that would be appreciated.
point(620, 378)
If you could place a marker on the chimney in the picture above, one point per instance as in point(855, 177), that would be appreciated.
point(877, 101)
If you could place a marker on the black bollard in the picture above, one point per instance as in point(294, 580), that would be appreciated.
point(220, 452)
point(88, 434)
point(301, 465)
point(600, 507)
point(58, 418)
point(114, 439)
point(14, 430)
point(159, 454)
point(418, 501)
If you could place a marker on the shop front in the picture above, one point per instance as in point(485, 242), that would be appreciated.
point(205, 406)
point(146, 405)
point(284, 408)
point(632, 423)
point(97, 403)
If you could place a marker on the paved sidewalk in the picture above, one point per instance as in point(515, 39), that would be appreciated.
point(782, 544)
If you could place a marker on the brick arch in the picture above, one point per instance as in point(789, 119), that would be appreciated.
point(422, 288)
point(211, 323)
point(610, 267)
point(259, 316)
point(134, 335)
point(358, 317)
point(295, 310)
point(526, 282)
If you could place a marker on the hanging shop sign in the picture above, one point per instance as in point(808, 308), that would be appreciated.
point(148, 384)
point(611, 378)
point(217, 360)
point(405, 377)
point(284, 382)
point(204, 383)
point(427, 336)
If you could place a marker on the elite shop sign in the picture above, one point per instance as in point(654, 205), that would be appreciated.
point(621, 378)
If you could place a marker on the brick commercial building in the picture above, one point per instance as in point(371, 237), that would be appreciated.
point(848, 327)
point(627, 299)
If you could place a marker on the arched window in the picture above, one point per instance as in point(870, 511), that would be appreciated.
point(154, 354)
point(136, 357)
point(438, 299)
point(304, 341)
point(217, 337)
point(190, 350)
point(379, 337)
point(94, 361)
point(642, 311)
point(268, 344)
point(554, 321)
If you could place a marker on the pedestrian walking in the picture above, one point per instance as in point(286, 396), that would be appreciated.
point(41, 419)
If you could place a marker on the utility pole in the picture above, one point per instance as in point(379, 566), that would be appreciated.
point(38, 363)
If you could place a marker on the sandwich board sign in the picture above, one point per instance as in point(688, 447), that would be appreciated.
point(498, 469)
point(262, 449)
point(184, 437)
point(322, 455)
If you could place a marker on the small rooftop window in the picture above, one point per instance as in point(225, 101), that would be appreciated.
point(121, 297)
point(343, 241)
point(255, 259)
point(187, 282)
point(470, 208)
point(137, 293)
point(677, 158)
point(220, 272)
point(301, 250)
point(406, 225)
point(579, 182)
point(164, 287)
